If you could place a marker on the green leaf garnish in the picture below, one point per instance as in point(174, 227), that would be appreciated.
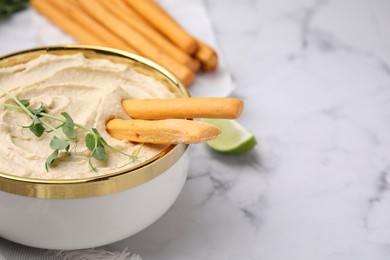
point(25, 102)
point(99, 153)
point(9, 7)
point(51, 159)
point(65, 135)
point(99, 137)
point(95, 143)
point(59, 144)
point(37, 127)
point(37, 111)
point(90, 141)
point(68, 127)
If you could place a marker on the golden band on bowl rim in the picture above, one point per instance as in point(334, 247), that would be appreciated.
point(112, 182)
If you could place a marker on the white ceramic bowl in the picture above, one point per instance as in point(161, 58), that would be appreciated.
point(84, 213)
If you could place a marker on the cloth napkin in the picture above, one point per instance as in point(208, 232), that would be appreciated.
point(29, 29)
point(14, 251)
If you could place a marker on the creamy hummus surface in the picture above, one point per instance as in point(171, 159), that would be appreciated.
point(90, 91)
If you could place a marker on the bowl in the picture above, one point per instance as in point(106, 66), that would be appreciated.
point(89, 212)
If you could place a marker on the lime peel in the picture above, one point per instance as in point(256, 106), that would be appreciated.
point(234, 138)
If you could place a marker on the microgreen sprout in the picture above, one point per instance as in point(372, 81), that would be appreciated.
point(65, 136)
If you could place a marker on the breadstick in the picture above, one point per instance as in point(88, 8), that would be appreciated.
point(149, 32)
point(207, 56)
point(130, 11)
point(73, 10)
point(168, 131)
point(65, 23)
point(137, 41)
point(230, 108)
point(163, 22)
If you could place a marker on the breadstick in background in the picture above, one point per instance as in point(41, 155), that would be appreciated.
point(73, 10)
point(229, 108)
point(207, 56)
point(65, 23)
point(149, 32)
point(168, 131)
point(130, 11)
point(137, 41)
point(162, 21)
point(204, 53)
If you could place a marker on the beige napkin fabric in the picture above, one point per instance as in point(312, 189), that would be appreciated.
point(13, 251)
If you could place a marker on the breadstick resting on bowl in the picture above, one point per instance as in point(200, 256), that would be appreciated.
point(165, 121)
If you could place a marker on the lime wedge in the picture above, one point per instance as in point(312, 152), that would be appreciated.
point(234, 138)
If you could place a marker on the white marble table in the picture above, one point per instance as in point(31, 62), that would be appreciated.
point(315, 78)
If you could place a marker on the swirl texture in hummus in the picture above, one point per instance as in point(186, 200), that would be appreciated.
point(90, 91)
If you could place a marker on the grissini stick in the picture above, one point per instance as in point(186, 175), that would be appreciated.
point(163, 22)
point(204, 53)
point(137, 40)
point(229, 108)
point(129, 16)
point(167, 131)
point(66, 23)
point(73, 10)
point(207, 56)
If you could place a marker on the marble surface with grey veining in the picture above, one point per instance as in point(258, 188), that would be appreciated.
point(315, 78)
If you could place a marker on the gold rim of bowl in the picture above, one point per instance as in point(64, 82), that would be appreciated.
point(111, 182)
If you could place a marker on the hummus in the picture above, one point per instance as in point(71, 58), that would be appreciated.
point(90, 91)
